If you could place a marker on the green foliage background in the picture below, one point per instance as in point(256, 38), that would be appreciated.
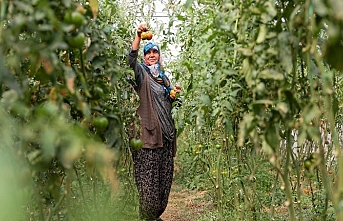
point(262, 82)
point(261, 96)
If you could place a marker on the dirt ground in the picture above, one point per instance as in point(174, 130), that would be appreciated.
point(185, 205)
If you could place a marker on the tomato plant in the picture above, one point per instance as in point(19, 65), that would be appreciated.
point(52, 88)
point(256, 72)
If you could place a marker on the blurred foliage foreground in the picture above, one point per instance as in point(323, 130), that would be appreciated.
point(60, 122)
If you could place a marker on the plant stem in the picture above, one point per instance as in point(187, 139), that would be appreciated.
point(219, 187)
point(80, 183)
point(285, 176)
point(40, 204)
point(56, 207)
point(68, 195)
point(289, 139)
point(273, 196)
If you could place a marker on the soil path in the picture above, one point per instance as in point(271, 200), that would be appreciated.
point(185, 205)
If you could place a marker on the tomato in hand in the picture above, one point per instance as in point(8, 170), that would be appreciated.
point(149, 35)
point(172, 94)
point(146, 35)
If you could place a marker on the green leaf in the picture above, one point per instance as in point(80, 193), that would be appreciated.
point(314, 134)
point(246, 51)
point(234, 93)
point(212, 36)
point(285, 54)
point(247, 71)
point(7, 78)
point(283, 108)
point(262, 34)
point(271, 74)
point(320, 8)
point(49, 138)
point(246, 125)
point(181, 18)
point(205, 99)
point(227, 105)
point(302, 136)
point(310, 112)
point(337, 7)
point(267, 148)
point(94, 4)
point(271, 12)
point(188, 4)
point(271, 137)
point(33, 155)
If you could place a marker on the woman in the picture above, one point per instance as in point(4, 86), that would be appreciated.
point(154, 163)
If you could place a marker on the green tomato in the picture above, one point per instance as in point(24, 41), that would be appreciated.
point(76, 19)
point(218, 146)
point(307, 164)
point(136, 144)
point(309, 174)
point(77, 41)
point(97, 92)
point(100, 123)
point(67, 18)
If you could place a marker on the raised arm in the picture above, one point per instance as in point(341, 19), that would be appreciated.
point(133, 54)
point(132, 58)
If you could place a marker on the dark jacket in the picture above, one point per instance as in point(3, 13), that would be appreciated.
point(151, 129)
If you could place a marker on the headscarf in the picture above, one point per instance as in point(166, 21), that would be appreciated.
point(156, 71)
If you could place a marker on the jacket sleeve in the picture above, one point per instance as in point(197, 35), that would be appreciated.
point(136, 67)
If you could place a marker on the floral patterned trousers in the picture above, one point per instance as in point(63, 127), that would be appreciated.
point(153, 171)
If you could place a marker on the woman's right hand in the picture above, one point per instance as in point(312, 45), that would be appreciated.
point(141, 28)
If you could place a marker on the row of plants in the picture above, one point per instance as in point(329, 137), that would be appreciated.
point(261, 119)
point(66, 98)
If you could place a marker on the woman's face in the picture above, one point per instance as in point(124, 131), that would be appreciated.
point(151, 57)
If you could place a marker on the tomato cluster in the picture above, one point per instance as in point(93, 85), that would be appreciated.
point(76, 39)
point(146, 35)
point(174, 92)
